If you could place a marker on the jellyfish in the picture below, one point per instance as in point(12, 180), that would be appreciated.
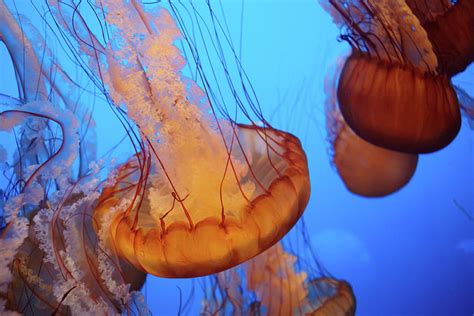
point(202, 193)
point(280, 289)
point(389, 91)
point(278, 282)
point(365, 169)
point(449, 26)
point(169, 246)
point(53, 262)
point(332, 297)
point(59, 270)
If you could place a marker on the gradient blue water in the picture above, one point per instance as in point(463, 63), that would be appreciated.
point(411, 253)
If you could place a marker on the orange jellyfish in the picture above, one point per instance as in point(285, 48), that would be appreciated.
point(284, 290)
point(331, 297)
point(280, 289)
point(202, 193)
point(365, 169)
point(449, 27)
point(276, 283)
point(389, 91)
point(215, 225)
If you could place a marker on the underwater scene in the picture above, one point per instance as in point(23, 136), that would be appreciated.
point(237, 157)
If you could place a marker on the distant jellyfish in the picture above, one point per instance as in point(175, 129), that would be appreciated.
point(280, 289)
point(365, 169)
point(369, 170)
point(279, 281)
point(330, 297)
point(389, 91)
point(449, 26)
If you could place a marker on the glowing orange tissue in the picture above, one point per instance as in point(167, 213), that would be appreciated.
point(203, 193)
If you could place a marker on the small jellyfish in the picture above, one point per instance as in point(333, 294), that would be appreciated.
point(331, 297)
point(283, 287)
point(389, 90)
point(280, 289)
point(449, 26)
point(365, 169)
point(369, 170)
point(277, 282)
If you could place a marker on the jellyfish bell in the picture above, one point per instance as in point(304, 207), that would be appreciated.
point(225, 231)
point(389, 92)
point(331, 297)
point(365, 169)
point(449, 27)
point(369, 170)
point(202, 193)
point(398, 107)
point(278, 282)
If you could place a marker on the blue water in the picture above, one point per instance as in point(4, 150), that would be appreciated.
point(411, 253)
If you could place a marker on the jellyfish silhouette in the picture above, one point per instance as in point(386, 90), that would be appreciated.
point(278, 282)
point(449, 27)
point(365, 169)
point(390, 92)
